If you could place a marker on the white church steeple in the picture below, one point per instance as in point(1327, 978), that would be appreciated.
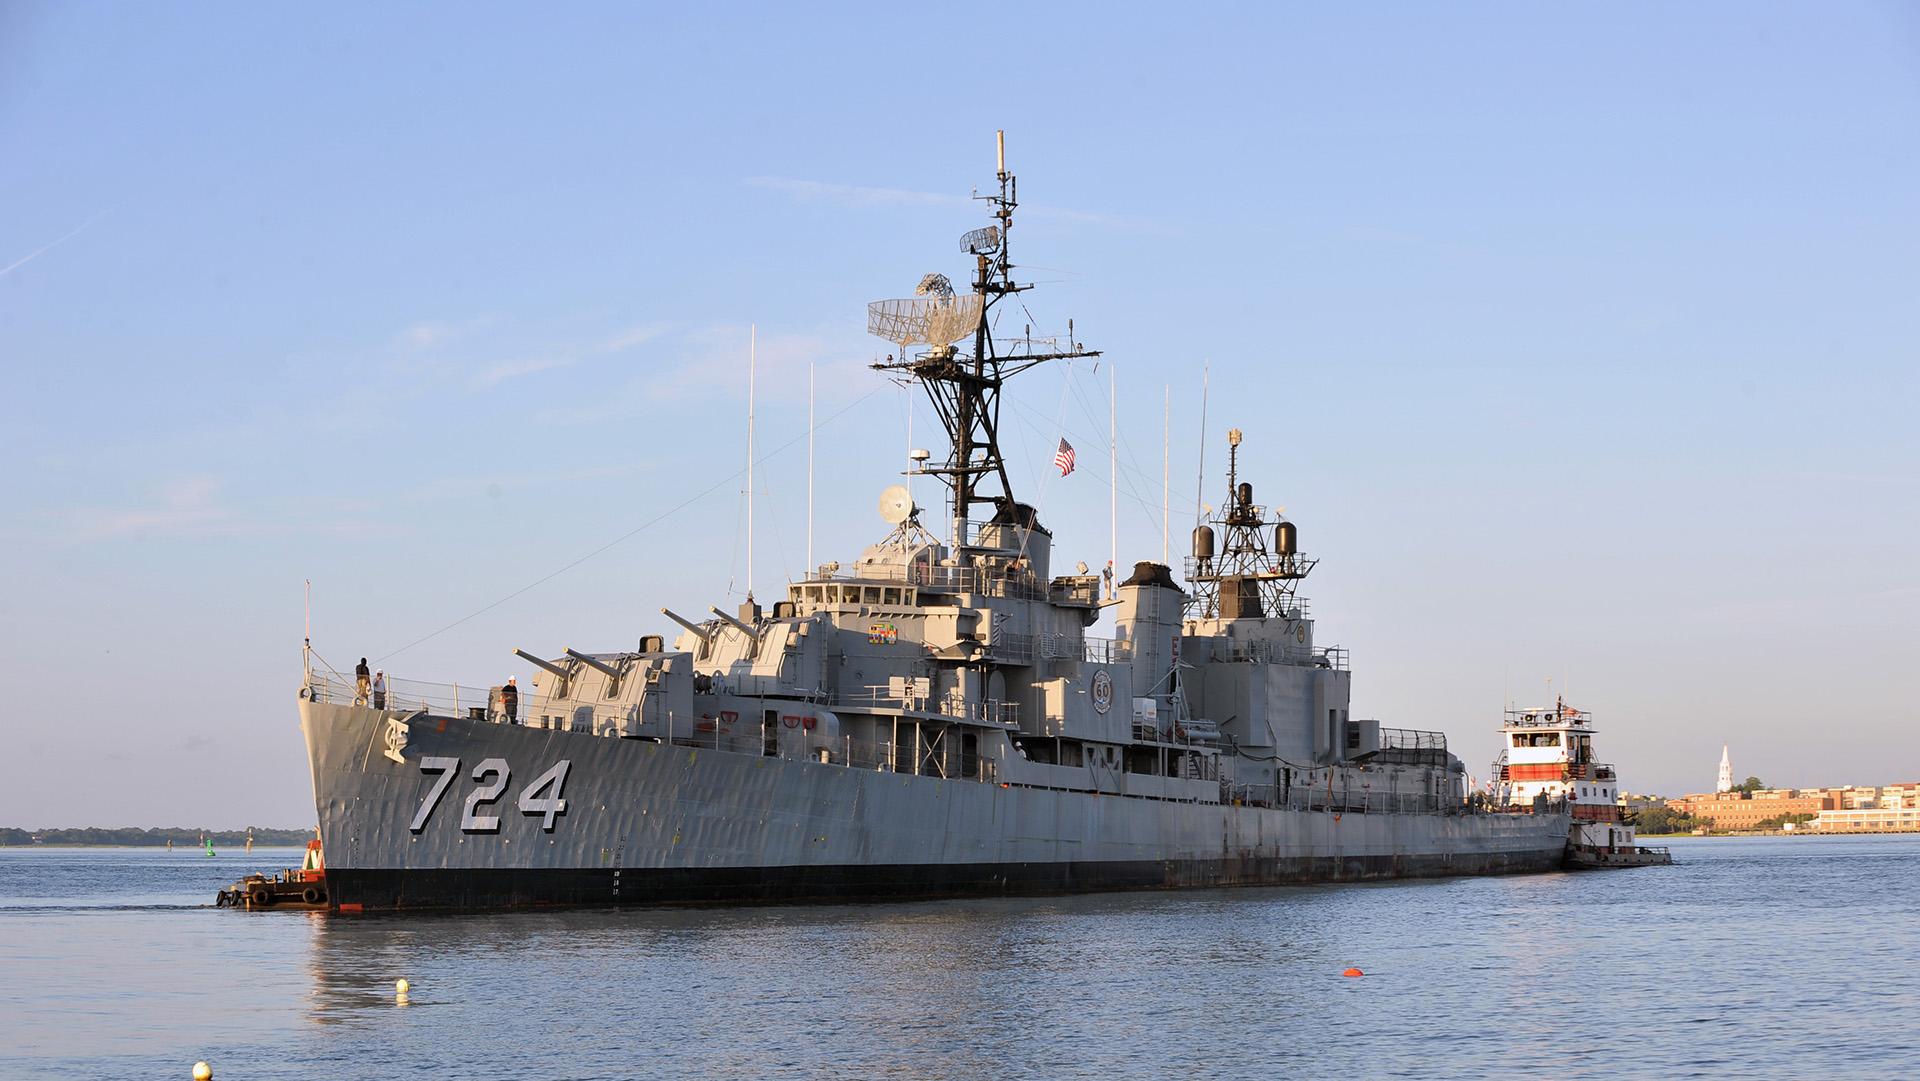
point(1726, 771)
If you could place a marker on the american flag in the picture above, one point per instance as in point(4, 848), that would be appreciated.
point(1063, 458)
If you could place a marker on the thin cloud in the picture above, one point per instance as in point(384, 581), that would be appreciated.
point(430, 334)
point(814, 191)
point(627, 339)
point(853, 195)
point(193, 507)
point(427, 337)
point(183, 506)
point(495, 374)
point(74, 232)
point(711, 362)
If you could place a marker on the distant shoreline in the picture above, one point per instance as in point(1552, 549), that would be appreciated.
point(150, 837)
point(1773, 833)
point(194, 847)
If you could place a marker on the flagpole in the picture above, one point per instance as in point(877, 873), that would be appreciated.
point(1113, 481)
point(810, 377)
point(1166, 471)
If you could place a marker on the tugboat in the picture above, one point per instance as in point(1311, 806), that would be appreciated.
point(305, 887)
point(1547, 756)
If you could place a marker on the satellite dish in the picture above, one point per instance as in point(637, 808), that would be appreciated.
point(896, 505)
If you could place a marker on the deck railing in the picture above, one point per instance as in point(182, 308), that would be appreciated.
point(1412, 739)
point(943, 756)
point(1344, 799)
point(1275, 651)
point(475, 703)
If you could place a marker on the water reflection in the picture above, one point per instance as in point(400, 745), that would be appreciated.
point(1210, 983)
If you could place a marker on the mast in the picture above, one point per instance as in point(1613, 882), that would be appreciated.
point(964, 387)
point(810, 375)
point(1200, 475)
point(753, 348)
point(1247, 579)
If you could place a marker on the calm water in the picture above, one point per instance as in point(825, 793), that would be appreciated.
point(1764, 957)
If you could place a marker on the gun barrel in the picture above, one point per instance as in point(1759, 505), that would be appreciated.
point(541, 662)
point(745, 629)
point(595, 663)
point(701, 632)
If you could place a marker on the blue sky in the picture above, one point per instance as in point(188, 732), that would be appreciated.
point(1579, 341)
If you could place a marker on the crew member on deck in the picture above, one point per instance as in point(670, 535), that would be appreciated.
point(379, 690)
point(363, 683)
point(510, 701)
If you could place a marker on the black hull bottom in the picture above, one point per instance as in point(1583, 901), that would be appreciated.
point(356, 890)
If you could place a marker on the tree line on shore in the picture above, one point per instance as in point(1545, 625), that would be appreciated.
point(154, 837)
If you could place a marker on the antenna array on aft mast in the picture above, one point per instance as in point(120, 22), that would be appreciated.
point(1248, 576)
point(964, 385)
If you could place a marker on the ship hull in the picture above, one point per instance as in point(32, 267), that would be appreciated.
point(646, 823)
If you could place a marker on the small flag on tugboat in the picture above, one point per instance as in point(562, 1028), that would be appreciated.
point(1063, 458)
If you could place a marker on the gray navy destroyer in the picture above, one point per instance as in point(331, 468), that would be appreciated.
point(931, 719)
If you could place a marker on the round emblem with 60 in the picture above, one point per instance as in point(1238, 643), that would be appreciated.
point(1102, 691)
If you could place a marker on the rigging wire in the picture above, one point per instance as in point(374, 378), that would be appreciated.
point(629, 535)
point(1132, 468)
point(1127, 489)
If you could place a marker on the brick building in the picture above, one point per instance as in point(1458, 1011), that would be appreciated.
point(1739, 811)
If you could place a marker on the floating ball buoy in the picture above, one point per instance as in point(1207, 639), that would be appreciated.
point(1353, 972)
point(401, 987)
point(202, 1072)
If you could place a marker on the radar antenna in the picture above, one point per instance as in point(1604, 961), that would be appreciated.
point(1245, 578)
point(964, 386)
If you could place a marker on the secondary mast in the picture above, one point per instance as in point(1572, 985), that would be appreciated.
point(753, 351)
point(1247, 578)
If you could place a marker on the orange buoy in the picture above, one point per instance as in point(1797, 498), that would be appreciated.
point(1353, 972)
